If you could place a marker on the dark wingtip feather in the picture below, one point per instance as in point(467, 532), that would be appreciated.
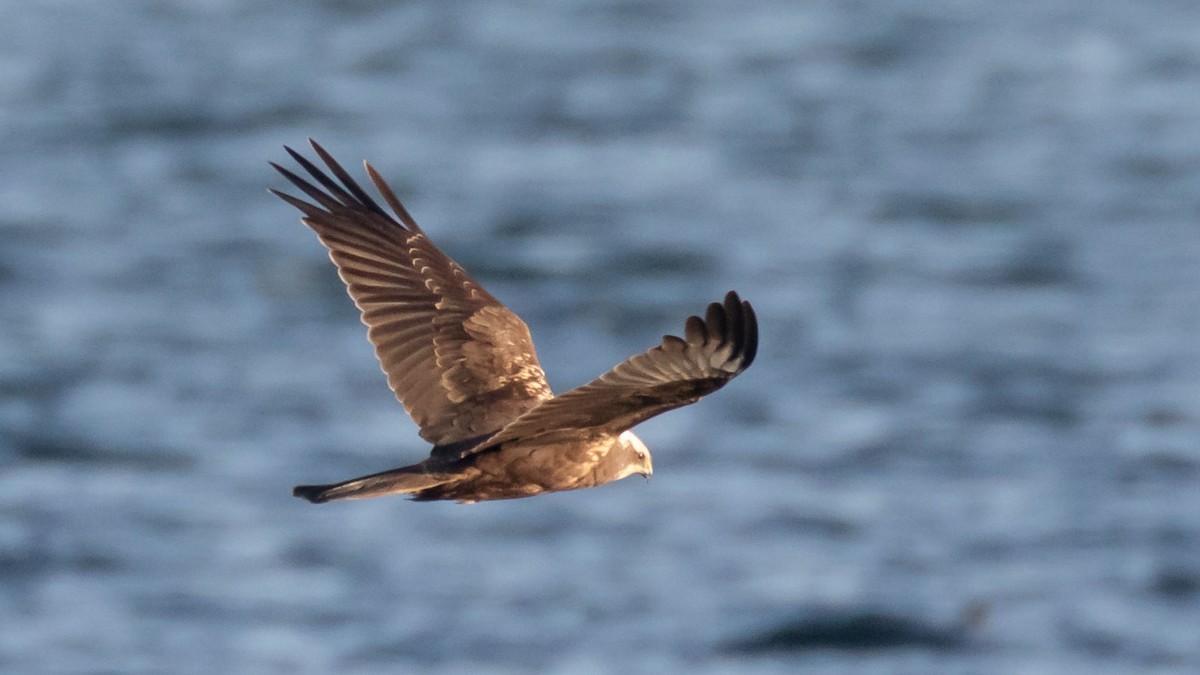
point(317, 494)
point(307, 188)
point(694, 330)
point(717, 320)
point(741, 328)
point(731, 322)
point(345, 177)
point(390, 197)
point(750, 322)
point(336, 192)
point(346, 195)
point(309, 210)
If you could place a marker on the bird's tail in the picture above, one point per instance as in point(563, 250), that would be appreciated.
point(404, 480)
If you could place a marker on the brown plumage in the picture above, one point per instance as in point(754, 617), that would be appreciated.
point(464, 366)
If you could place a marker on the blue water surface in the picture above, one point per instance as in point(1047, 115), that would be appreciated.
point(970, 230)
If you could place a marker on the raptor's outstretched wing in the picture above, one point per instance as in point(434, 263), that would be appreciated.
point(680, 371)
point(462, 363)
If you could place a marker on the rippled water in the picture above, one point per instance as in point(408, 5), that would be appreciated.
point(970, 231)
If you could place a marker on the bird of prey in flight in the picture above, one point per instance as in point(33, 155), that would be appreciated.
point(464, 367)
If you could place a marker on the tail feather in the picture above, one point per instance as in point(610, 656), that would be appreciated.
point(404, 480)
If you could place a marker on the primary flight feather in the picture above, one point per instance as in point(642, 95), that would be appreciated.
point(464, 367)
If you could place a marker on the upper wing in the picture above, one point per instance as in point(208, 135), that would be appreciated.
point(462, 364)
point(714, 350)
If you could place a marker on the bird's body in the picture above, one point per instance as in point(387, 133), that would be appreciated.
point(515, 469)
point(464, 365)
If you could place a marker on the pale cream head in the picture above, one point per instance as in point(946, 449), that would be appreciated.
point(640, 460)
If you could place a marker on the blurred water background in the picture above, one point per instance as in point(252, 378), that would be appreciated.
point(970, 230)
